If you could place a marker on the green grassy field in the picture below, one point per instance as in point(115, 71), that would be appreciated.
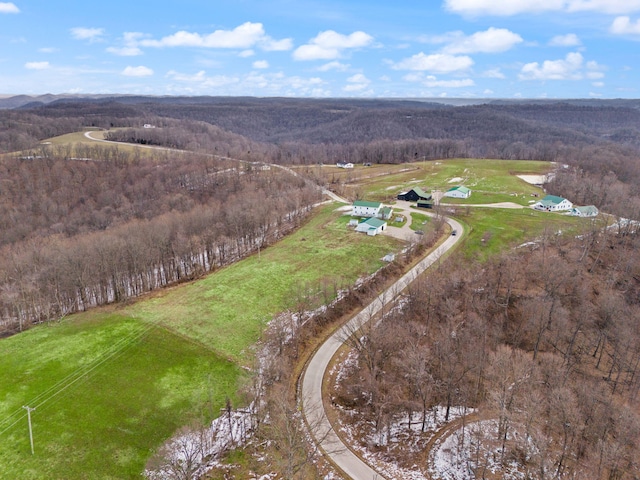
point(107, 389)
point(490, 180)
point(111, 387)
point(228, 310)
point(493, 230)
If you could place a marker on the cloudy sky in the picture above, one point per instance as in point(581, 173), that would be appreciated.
point(308, 48)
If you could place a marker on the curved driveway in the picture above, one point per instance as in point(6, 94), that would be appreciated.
point(311, 391)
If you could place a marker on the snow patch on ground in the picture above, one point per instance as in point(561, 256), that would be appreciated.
point(467, 455)
point(534, 179)
point(401, 436)
point(193, 453)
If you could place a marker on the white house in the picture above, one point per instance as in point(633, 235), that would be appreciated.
point(362, 208)
point(458, 192)
point(371, 226)
point(587, 211)
point(553, 203)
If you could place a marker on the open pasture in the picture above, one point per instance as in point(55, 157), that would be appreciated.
point(110, 385)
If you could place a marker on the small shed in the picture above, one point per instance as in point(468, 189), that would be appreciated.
point(414, 195)
point(371, 226)
point(458, 192)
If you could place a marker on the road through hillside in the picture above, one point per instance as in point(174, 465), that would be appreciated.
point(311, 391)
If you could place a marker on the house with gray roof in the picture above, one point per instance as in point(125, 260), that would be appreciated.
point(586, 211)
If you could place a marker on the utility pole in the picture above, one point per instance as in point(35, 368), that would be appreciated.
point(29, 410)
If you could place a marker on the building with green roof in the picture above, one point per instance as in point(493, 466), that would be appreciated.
point(458, 192)
point(586, 211)
point(553, 203)
point(371, 226)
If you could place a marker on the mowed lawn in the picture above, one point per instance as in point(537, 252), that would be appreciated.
point(228, 310)
point(111, 385)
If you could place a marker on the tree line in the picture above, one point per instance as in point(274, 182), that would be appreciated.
point(544, 342)
point(87, 233)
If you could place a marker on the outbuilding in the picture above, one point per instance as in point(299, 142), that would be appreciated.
point(371, 226)
point(414, 195)
point(458, 192)
point(586, 211)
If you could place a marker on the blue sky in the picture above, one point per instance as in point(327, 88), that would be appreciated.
point(303, 48)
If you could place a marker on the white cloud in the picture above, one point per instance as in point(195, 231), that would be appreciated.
point(137, 72)
point(125, 51)
point(247, 53)
point(568, 40)
point(47, 50)
point(488, 92)
point(493, 40)
point(335, 65)
point(36, 65)
point(329, 45)
point(244, 36)
point(91, 34)
point(493, 73)
point(515, 7)
point(598, 84)
point(260, 64)
point(183, 77)
point(433, 82)
point(624, 26)
point(357, 83)
point(270, 45)
point(568, 68)
point(436, 63)
point(130, 46)
point(254, 83)
point(7, 7)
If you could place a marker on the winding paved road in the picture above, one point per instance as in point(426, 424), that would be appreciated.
point(311, 391)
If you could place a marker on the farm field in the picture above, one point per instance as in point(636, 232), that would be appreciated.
point(491, 181)
point(107, 390)
point(166, 361)
point(227, 311)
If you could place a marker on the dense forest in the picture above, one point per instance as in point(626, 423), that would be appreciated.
point(543, 342)
point(81, 233)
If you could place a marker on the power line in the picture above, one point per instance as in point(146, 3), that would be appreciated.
point(119, 347)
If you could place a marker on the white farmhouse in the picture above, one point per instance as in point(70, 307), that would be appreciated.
point(362, 208)
point(553, 203)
